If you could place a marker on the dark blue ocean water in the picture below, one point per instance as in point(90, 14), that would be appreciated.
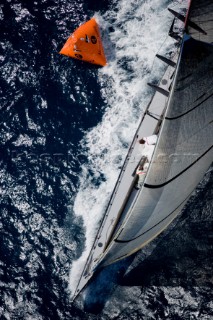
point(48, 104)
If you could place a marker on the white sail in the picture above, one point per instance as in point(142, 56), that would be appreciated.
point(183, 154)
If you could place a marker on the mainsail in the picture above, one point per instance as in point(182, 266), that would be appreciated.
point(183, 153)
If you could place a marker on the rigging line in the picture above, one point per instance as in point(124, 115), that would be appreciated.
point(183, 114)
point(125, 241)
point(155, 186)
point(202, 95)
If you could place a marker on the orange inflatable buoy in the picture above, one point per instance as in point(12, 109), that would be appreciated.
point(85, 44)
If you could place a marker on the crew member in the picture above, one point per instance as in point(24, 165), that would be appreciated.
point(141, 172)
point(148, 144)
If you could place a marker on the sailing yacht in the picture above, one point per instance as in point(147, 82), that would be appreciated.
point(180, 113)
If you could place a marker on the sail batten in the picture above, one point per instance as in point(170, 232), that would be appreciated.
point(154, 186)
point(193, 108)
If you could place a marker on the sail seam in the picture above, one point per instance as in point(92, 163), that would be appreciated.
point(152, 186)
point(124, 241)
point(183, 114)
